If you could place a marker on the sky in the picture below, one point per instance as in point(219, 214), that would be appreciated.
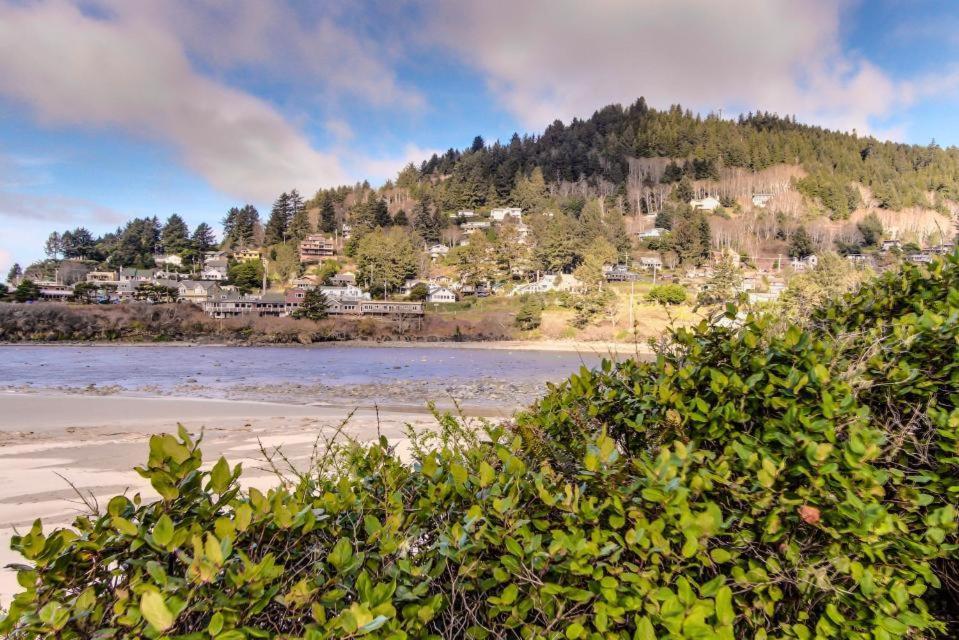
point(111, 109)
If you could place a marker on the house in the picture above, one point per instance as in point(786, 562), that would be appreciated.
point(619, 273)
point(197, 291)
point(440, 295)
point(246, 255)
point(305, 282)
point(465, 214)
point(709, 203)
point(215, 269)
point(889, 245)
point(338, 307)
point(923, 257)
point(656, 232)
point(801, 264)
point(315, 247)
point(390, 308)
point(347, 292)
point(500, 214)
point(761, 199)
point(470, 227)
point(169, 259)
point(229, 305)
point(859, 259)
point(438, 250)
point(137, 275)
point(50, 290)
point(101, 276)
point(343, 278)
point(943, 249)
point(549, 282)
point(346, 231)
point(651, 262)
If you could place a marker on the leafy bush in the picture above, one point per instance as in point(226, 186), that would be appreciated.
point(530, 313)
point(747, 483)
point(667, 294)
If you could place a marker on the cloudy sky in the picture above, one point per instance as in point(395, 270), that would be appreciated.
point(111, 109)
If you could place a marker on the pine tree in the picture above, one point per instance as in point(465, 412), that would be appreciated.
point(801, 244)
point(300, 225)
point(381, 214)
point(203, 238)
point(425, 223)
point(327, 214)
point(400, 219)
point(175, 236)
point(15, 273)
point(314, 306)
point(54, 245)
point(277, 226)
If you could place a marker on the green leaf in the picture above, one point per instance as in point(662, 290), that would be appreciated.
point(54, 615)
point(724, 606)
point(154, 610)
point(124, 526)
point(373, 624)
point(215, 625)
point(220, 476)
point(163, 530)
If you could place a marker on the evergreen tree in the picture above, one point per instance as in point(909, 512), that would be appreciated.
point(300, 225)
point(240, 226)
point(478, 144)
point(314, 306)
point(15, 273)
point(247, 276)
point(801, 244)
point(381, 214)
point(54, 245)
point(277, 225)
point(871, 230)
point(26, 291)
point(327, 214)
point(78, 243)
point(203, 239)
point(400, 219)
point(425, 223)
point(175, 236)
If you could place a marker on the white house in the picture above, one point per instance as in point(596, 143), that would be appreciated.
point(652, 233)
point(346, 292)
point(709, 203)
point(343, 278)
point(549, 282)
point(463, 213)
point(761, 199)
point(469, 227)
point(438, 250)
point(498, 215)
point(801, 264)
point(440, 294)
point(889, 245)
point(213, 272)
point(169, 259)
point(197, 290)
point(650, 262)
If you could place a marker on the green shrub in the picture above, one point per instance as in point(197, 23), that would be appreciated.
point(667, 294)
point(748, 483)
point(530, 313)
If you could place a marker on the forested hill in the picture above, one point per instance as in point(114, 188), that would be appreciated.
point(611, 152)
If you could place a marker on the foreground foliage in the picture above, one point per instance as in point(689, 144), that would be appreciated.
point(746, 484)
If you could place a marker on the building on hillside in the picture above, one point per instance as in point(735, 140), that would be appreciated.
point(215, 273)
point(923, 257)
point(438, 251)
point(52, 290)
point(229, 305)
point(390, 308)
point(802, 264)
point(169, 259)
point(619, 273)
point(709, 203)
point(550, 282)
point(245, 255)
point(656, 232)
point(346, 292)
point(102, 276)
point(197, 291)
point(464, 214)
point(315, 247)
point(651, 262)
point(890, 245)
point(479, 225)
point(943, 249)
point(137, 275)
point(860, 259)
point(761, 199)
point(440, 295)
point(500, 214)
point(343, 279)
point(346, 231)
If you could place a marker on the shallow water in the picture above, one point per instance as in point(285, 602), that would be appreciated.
point(321, 374)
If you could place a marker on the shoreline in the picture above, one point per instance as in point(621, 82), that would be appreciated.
point(571, 346)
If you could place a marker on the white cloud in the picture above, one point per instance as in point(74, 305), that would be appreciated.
point(379, 168)
point(70, 68)
point(547, 59)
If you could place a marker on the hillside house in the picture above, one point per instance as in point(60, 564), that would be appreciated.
point(101, 276)
point(440, 295)
point(215, 269)
point(315, 247)
point(346, 292)
point(197, 291)
point(305, 282)
point(137, 275)
point(438, 251)
point(50, 290)
point(651, 262)
point(709, 203)
point(558, 282)
point(890, 245)
point(802, 264)
point(247, 255)
point(760, 200)
point(169, 259)
point(464, 214)
point(619, 273)
point(656, 232)
point(479, 225)
point(343, 279)
point(500, 214)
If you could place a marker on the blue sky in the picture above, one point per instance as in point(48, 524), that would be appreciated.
point(111, 109)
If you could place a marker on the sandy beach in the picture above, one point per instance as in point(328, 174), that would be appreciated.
point(94, 442)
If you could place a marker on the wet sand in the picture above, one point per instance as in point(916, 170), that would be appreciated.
point(94, 442)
